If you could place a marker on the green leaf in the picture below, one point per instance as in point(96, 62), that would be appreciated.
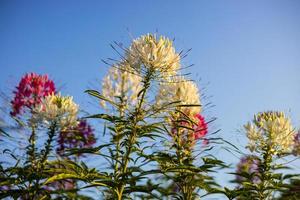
point(107, 117)
point(4, 132)
point(59, 177)
point(189, 105)
point(95, 150)
point(98, 95)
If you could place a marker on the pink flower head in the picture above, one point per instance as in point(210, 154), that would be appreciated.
point(31, 89)
point(296, 148)
point(249, 165)
point(187, 133)
point(81, 137)
point(200, 128)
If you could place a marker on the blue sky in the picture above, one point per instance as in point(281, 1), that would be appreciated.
point(247, 53)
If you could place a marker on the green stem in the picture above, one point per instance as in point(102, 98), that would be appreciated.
point(121, 113)
point(44, 156)
point(133, 137)
point(186, 189)
point(117, 153)
point(117, 141)
point(31, 152)
point(48, 144)
point(31, 149)
point(264, 169)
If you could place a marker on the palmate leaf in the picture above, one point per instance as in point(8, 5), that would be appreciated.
point(92, 150)
point(68, 194)
point(140, 188)
point(7, 181)
point(245, 175)
point(67, 169)
point(15, 193)
point(229, 193)
point(23, 174)
point(195, 177)
point(151, 136)
point(276, 176)
point(213, 162)
point(92, 179)
point(162, 157)
point(108, 183)
point(150, 128)
point(290, 191)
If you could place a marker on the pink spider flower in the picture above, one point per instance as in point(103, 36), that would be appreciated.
point(296, 147)
point(201, 129)
point(248, 164)
point(30, 91)
point(80, 137)
point(189, 136)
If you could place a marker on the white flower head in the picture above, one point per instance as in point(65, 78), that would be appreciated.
point(184, 91)
point(153, 52)
point(121, 83)
point(56, 108)
point(270, 129)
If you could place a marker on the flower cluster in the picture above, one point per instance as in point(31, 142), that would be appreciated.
point(200, 129)
point(82, 136)
point(56, 108)
point(124, 80)
point(155, 53)
point(187, 132)
point(184, 115)
point(248, 166)
point(272, 130)
point(121, 83)
point(31, 90)
point(182, 91)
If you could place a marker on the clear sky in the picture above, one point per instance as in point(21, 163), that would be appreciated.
point(247, 53)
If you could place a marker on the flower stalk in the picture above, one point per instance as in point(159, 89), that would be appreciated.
point(137, 117)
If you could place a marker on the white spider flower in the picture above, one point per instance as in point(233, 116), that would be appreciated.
point(56, 108)
point(271, 130)
point(184, 91)
point(156, 53)
point(121, 84)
